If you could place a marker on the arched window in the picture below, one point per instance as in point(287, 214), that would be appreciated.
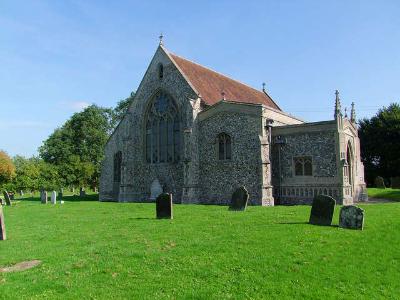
point(224, 146)
point(163, 135)
point(303, 166)
point(117, 166)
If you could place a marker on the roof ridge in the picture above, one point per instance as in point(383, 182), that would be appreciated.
point(209, 69)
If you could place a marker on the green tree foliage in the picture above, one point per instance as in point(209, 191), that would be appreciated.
point(121, 108)
point(77, 148)
point(7, 168)
point(380, 143)
point(27, 173)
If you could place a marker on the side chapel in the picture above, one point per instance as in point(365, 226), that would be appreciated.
point(200, 135)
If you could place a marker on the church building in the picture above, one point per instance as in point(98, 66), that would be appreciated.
point(200, 135)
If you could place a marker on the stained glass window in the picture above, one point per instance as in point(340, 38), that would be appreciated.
point(163, 131)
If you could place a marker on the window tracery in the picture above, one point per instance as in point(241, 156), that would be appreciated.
point(224, 147)
point(303, 166)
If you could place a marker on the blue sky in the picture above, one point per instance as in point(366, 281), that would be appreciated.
point(58, 56)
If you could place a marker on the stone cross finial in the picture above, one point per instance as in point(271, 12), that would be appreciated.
point(161, 38)
point(352, 113)
point(263, 87)
point(338, 109)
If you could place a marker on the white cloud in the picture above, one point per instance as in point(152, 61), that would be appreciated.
point(75, 105)
point(4, 124)
point(79, 105)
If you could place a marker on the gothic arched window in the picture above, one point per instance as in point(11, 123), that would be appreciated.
point(303, 166)
point(224, 146)
point(163, 135)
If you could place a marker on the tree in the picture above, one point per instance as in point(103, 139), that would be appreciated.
point(380, 143)
point(27, 173)
point(121, 108)
point(77, 147)
point(7, 168)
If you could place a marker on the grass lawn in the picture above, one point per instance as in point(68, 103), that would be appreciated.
point(388, 193)
point(93, 250)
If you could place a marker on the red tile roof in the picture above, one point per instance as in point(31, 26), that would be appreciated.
point(211, 84)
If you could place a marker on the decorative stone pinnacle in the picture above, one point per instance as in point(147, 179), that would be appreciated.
point(263, 87)
point(223, 95)
point(345, 112)
point(338, 109)
point(161, 38)
point(353, 113)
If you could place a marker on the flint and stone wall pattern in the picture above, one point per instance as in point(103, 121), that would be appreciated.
point(220, 178)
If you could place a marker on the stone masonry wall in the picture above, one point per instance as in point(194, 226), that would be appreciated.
point(220, 178)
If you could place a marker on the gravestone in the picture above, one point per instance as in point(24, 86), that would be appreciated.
point(322, 210)
point(2, 201)
point(7, 198)
point(164, 206)
point(11, 195)
point(155, 189)
point(21, 193)
point(395, 182)
point(43, 197)
point(2, 225)
point(60, 196)
point(239, 199)
point(82, 192)
point(53, 197)
point(351, 217)
point(380, 183)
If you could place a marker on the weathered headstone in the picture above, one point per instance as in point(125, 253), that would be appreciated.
point(2, 225)
point(60, 196)
point(380, 183)
point(351, 217)
point(82, 192)
point(155, 189)
point(21, 193)
point(2, 201)
point(395, 182)
point(164, 206)
point(43, 197)
point(53, 197)
point(322, 210)
point(239, 199)
point(7, 198)
point(11, 195)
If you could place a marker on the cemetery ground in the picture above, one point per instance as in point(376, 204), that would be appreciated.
point(388, 193)
point(99, 250)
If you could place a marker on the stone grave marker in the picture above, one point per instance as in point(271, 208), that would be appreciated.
point(351, 217)
point(239, 199)
point(43, 197)
point(53, 197)
point(164, 206)
point(82, 192)
point(395, 182)
point(60, 196)
point(7, 198)
point(2, 201)
point(21, 193)
point(155, 189)
point(11, 195)
point(380, 183)
point(322, 210)
point(2, 225)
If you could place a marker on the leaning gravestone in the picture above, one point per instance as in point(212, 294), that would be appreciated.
point(322, 210)
point(351, 217)
point(82, 192)
point(155, 189)
point(395, 182)
point(164, 206)
point(239, 199)
point(7, 198)
point(2, 225)
point(380, 183)
point(53, 197)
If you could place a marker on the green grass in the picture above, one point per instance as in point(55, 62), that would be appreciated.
point(93, 250)
point(388, 193)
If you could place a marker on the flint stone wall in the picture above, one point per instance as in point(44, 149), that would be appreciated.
point(136, 174)
point(220, 178)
